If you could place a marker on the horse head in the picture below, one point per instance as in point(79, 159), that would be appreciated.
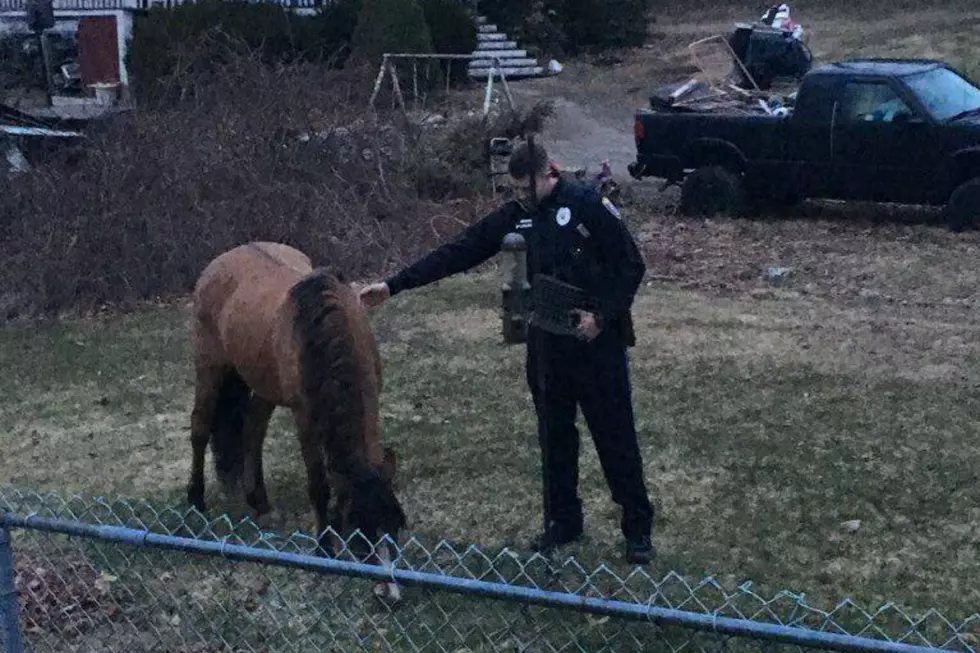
point(373, 508)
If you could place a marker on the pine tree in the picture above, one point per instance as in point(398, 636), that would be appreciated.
point(393, 26)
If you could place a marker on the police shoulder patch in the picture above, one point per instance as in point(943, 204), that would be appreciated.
point(606, 202)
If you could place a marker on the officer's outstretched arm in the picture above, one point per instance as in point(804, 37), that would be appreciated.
point(623, 260)
point(473, 246)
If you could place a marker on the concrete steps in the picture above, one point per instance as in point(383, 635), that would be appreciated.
point(514, 61)
point(496, 45)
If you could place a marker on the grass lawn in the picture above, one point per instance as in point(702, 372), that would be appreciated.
point(765, 425)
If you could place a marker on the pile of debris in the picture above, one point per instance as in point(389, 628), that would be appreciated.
point(754, 70)
point(361, 139)
point(25, 139)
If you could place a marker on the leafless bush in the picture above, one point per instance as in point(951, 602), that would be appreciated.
point(457, 159)
point(255, 152)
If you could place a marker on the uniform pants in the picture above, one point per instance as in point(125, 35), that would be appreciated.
point(595, 377)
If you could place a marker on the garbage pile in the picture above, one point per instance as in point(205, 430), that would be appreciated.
point(753, 70)
point(24, 139)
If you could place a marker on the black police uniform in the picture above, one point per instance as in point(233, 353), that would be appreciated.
point(578, 238)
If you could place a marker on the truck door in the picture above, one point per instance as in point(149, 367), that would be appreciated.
point(808, 142)
point(884, 147)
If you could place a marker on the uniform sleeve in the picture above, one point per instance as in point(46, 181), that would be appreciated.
point(623, 261)
point(473, 246)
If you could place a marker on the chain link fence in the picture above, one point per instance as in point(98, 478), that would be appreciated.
point(86, 574)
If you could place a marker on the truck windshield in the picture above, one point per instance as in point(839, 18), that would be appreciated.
point(944, 93)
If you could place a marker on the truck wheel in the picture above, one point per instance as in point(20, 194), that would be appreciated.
point(774, 202)
point(712, 190)
point(962, 210)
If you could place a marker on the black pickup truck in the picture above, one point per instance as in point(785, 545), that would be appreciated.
point(904, 131)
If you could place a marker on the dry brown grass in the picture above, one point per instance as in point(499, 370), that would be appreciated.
point(765, 423)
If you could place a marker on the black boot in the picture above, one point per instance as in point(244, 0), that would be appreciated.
point(555, 536)
point(639, 550)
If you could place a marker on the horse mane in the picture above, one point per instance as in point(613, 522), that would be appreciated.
point(336, 366)
point(339, 377)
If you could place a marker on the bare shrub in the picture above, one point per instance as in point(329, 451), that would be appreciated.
point(456, 160)
point(285, 153)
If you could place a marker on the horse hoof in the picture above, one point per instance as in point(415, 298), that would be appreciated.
point(324, 549)
point(195, 497)
point(388, 593)
point(269, 520)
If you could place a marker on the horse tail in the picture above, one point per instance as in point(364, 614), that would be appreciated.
point(227, 441)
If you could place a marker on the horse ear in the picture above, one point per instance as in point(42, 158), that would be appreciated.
point(332, 271)
point(389, 465)
point(337, 273)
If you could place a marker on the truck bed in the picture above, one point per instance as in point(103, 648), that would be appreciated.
point(696, 96)
point(681, 136)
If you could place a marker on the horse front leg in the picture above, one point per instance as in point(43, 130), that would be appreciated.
point(317, 486)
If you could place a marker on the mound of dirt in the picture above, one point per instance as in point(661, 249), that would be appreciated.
point(843, 252)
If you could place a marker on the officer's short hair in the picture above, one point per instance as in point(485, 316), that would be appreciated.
point(525, 163)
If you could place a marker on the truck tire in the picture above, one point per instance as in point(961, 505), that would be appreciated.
point(778, 202)
point(962, 210)
point(712, 190)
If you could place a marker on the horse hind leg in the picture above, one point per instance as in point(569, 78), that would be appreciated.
point(227, 429)
point(207, 393)
point(253, 479)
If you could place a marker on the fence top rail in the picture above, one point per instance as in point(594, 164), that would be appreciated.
point(505, 574)
point(598, 606)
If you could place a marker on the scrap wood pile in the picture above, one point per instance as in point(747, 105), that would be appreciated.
point(753, 71)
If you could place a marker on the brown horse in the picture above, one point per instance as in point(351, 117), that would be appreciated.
point(268, 330)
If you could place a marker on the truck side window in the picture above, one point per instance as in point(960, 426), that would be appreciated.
point(871, 102)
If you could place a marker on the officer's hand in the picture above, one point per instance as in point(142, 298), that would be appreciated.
point(588, 325)
point(374, 294)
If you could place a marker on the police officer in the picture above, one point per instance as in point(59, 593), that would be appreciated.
point(579, 238)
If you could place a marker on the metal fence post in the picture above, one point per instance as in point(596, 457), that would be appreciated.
point(8, 596)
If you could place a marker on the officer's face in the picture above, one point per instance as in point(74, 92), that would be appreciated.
point(543, 186)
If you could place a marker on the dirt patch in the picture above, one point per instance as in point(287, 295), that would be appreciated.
point(849, 257)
